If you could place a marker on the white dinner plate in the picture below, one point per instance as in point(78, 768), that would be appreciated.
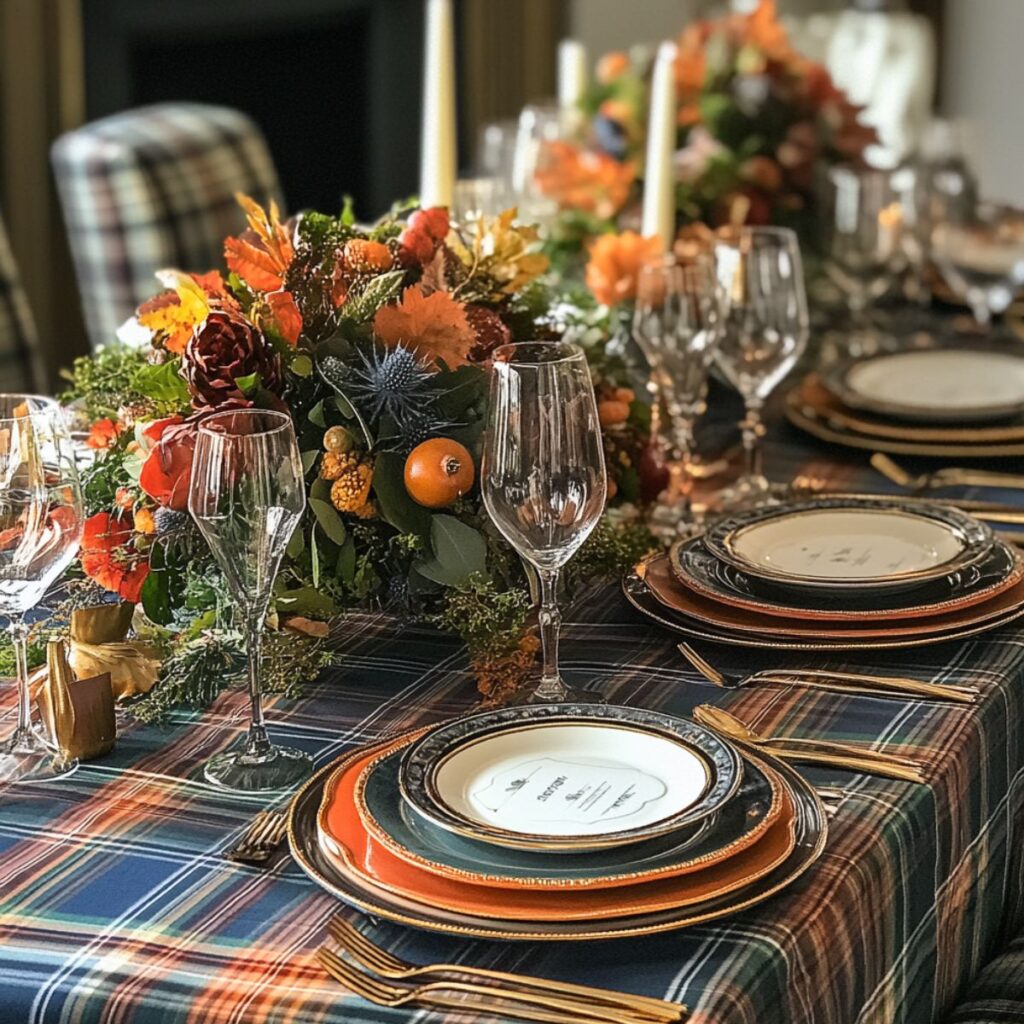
point(936, 384)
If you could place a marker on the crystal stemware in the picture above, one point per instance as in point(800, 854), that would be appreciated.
point(765, 331)
point(863, 227)
point(247, 496)
point(539, 126)
point(542, 474)
point(41, 517)
point(980, 254)
point(676, 324)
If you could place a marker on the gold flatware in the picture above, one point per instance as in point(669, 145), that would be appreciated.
point(374, 958)
point(432, 994)
point(836, 755)
point(952, 476)
point(260, 839)
point(834, 681)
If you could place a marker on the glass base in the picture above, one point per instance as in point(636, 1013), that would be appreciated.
point(534, 693)
point(244, 772)
point(27, 756)
point(746, 493)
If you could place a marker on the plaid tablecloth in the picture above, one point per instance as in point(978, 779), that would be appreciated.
point(116, 903)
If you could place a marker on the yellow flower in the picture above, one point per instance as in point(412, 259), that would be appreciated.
point(499, 249)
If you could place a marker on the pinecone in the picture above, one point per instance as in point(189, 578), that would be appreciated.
point(350, 491)
point(490, 330)
point(169, 521)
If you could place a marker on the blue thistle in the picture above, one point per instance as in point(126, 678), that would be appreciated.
point(396, 383)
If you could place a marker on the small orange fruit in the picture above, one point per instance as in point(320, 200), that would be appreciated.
point(438, 472)
point(626, 395)
point(611, 412)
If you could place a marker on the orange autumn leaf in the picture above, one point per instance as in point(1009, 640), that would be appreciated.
point(613, 270)
point(262, 260)
point(255, 266)
point(268, 228)
point(287, 317)
point(583, 179)
point(433, 325)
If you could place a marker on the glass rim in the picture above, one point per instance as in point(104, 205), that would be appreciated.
point(285, 421)
point(50, 406)
point(571, 349)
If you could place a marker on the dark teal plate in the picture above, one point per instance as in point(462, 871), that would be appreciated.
point(390, 820)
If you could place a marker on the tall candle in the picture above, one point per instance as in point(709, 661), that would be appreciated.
point(659, 173)
point(437, 131)
point(572, 73)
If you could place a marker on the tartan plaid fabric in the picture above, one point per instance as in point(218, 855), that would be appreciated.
point(154, 188)
point(17, 330)
point(997, 995)
point(117, 906)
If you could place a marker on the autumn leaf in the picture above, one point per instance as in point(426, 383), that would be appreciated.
point(256, 267)
point(176, 312)
point(287, 317)
point(268, 229)
point(434, 325)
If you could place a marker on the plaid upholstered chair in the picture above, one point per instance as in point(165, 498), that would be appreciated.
point(153, 188)
point(996, 996)
point(17, 331)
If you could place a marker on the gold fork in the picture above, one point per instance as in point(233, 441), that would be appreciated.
point(953, 476)
point(373, 958)
point(265, 831)
point(383, 993)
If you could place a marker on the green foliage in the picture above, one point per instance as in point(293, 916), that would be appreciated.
point(162, 383)
point(105, 381)
point(490, 620)
point(609, 551)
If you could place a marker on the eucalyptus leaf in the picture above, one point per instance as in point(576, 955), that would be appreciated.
point(320, 489)
point(296, 545)
point(316, 415)
point(314, 553)
point(346, 566)
point(305, 601)
point(459, 551)
point(309, 459)
point(329, 520)
point(396, 506)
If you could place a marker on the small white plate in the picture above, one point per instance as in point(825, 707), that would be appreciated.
point(571, 779)
point(940, 384)
point(847, 545)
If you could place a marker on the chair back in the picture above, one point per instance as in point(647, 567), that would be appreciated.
point(153, 188)
point(18, 341)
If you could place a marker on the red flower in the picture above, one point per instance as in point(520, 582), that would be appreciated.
point(167, 472)
point(103, 434)
point(108, 557)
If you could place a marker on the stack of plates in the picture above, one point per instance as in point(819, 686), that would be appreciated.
point(560, 821)
point(835, 574)
point(953, 399)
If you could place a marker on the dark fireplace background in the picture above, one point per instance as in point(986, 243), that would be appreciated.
point(334, 84)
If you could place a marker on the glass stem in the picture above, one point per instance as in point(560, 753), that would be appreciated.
point(752, 430)
point(19, 639)
point(257, 742)
point(551, 686)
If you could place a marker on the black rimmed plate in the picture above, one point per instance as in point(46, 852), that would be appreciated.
point(866, 544)
point(810, 827)
point(568, 777)
point(410, 836)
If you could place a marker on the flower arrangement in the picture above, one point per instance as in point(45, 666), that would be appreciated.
point(755, 117)
point(377, 341)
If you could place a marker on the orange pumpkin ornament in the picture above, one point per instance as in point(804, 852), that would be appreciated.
point(438, 472)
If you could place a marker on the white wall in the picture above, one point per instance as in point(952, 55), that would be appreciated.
point(983, 80)
point(604, 25)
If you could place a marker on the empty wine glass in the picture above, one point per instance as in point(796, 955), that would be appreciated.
point(247, 496)
point(676, 323)
point(539, 126)
point(863, 226)
point(765, 331)
point(41, 519)
point(542, 473)
point(980, 253)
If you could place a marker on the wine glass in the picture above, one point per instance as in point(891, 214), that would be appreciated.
point(539, 126)
point(542, 473)
point(863, 226)
point(980, 253)
point(41, 518)
point(765, 331)
point(247, 497)
point(676, 323)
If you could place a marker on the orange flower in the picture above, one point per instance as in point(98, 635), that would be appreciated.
point(108, 557)
point(612, 66)
point(434, 325)
point(286, 316)
point(144, 521)
point(103, 434)
point(581, 179)
point(615, 263)
point(260, 256)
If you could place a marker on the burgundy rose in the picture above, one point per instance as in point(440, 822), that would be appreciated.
point(224, 349)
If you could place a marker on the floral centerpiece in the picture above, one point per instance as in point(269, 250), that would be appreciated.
point(755, 119)
point(377, 342)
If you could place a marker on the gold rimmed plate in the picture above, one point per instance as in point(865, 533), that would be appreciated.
point(568, 777)
point(391, 822)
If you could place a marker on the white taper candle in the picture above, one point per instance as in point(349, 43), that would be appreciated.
point(659, 172)
point(437, 131)
point(572, 73)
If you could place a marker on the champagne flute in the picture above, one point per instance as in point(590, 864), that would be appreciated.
point(542, 474)
point(41, 518)
point(247, 496)
point(676, 323)
point(765, 331)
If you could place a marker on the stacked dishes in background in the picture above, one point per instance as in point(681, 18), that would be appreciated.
point(562, 821)
point(962, 399)
point(835, 574)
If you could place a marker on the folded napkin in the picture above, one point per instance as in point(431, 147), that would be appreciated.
point(78, 713)
point(99, 644)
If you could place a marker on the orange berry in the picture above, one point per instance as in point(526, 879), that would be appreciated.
point(365, 257)
point(612, 412)
point(626, 395)
point(438, 472)
point(144, 521)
